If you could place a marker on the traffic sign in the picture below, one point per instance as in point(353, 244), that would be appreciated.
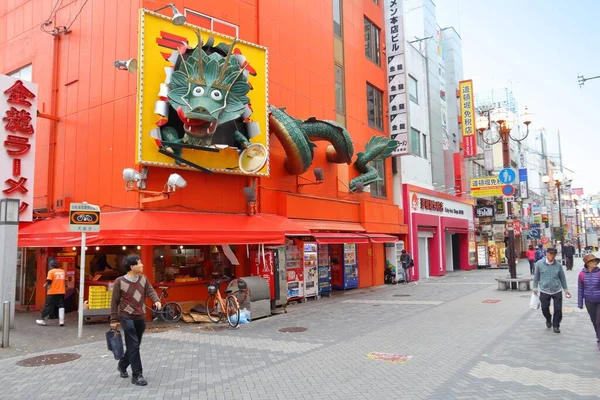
point(508, 190)
point(84, 217)
point(507, 176)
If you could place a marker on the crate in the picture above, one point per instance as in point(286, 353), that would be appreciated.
point(99, 297)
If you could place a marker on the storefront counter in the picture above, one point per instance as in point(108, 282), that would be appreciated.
point(187, 291)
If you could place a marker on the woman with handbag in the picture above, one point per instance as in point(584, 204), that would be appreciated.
point(589, 290)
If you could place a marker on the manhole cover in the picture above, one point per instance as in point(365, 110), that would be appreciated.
point(401, 295)
point(48, 359)
point(214, 328)
point(393, 358)
point(489, 301)
point(293, 329)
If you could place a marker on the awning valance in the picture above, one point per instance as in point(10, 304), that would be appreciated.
point(457, 230)
point(335, 226)
point(339, 238)
point(380, 238)
point(160, 227)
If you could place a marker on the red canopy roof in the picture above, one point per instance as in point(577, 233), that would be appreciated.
point(162, 227)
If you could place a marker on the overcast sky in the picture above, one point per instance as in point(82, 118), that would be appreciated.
point(539, 47)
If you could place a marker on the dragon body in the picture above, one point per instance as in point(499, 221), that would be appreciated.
point(209, 108)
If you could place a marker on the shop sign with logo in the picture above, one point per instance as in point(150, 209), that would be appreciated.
point(489, 186)
point(484, 211)
point(425, 204)
point(18, 117)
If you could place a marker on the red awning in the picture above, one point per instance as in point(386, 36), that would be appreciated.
point(289, 226)
point(339, 238)
point(336, 226)
point(159, 227)
point(380, 238)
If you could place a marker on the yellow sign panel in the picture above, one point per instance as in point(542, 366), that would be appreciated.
point(488, 186)
point(467, 112)
point(200, 107)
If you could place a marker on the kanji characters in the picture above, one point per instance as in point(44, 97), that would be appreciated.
point(18, 121)
point(16, 185)
point(19, 144)
point(18, 94)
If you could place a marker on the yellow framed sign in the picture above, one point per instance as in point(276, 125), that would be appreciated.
point(489, 186)
point(202, 100)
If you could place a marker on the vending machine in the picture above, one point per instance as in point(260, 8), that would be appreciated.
point(393, 251)
point(324, 270)
point(273, 271)
point(344, 268)
point(295, 272)
point(311, 277)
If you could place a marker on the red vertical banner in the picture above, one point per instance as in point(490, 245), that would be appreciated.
point(467, 114)
point(460, 177)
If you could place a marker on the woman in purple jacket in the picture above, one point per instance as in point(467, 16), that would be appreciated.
point(589, 289)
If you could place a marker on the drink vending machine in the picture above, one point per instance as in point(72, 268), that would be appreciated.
point(311, 277)
point(344, 268)
point(324, 270)
point(295, 272)
point(274, 272)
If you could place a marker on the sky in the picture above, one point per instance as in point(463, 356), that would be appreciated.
point(539, 47)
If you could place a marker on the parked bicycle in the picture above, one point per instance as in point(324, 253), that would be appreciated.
point(171, 311)
point(216, 305)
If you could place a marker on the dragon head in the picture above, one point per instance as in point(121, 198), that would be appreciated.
point(208, 90)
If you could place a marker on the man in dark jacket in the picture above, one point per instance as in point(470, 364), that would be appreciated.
point(569, 253)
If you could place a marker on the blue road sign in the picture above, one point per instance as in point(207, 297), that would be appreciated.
point(508, 190)
point(507, 176)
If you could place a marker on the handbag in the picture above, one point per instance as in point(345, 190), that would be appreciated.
point(534, 303)
point(114, 342)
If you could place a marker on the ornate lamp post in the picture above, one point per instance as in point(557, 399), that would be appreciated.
point(494, 127)
point(558, 178)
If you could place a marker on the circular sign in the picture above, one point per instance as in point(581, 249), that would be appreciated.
point(508, 190)
point(544, 240)
point(253, 158)
point(507, 175)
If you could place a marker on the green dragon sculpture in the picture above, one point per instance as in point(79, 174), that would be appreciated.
point(208, 95)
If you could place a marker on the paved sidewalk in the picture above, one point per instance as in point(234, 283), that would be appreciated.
point(461, 347)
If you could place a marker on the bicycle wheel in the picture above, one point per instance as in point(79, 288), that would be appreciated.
point(171, 312)
point(241, 296)
point(233, 311)
point(213, 309)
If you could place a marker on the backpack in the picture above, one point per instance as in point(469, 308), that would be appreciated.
point(539, 254)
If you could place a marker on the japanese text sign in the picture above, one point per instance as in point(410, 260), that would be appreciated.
point(396, 73)
point(467, 113)
point(18, 114)
point(488, 186)
point(84, 217)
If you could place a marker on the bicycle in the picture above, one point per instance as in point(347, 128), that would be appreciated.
point(171, 311)
point(215, 303)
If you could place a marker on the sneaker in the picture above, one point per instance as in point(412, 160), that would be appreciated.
point(556, 330)
point(548, 324)
point(41, 322)
point(139, 380)
point(61, 323)
point(122, 372)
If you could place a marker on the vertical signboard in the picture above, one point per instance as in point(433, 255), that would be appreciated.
point(467, 113)
point(523, 182)
point(396, 73)
point(18, 114)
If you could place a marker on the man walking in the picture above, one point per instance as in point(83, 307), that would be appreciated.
point(550, 277)
point(569, 253)
point(127, 305)
point(55, 284)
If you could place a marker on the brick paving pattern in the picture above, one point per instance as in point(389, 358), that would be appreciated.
point(461, 348)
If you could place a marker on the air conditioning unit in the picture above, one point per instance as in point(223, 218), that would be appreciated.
point(63, 204)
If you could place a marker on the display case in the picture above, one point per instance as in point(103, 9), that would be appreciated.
point(344, 267)
point(324, 270)
point(350, 266)
point(311, 278)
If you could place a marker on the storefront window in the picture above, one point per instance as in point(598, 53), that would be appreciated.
point(192, 263)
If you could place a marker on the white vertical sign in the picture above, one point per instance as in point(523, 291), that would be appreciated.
point(18, 117)
point(396, 72)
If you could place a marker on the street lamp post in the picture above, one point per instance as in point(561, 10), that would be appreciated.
point(557, 177)
point(504, 121)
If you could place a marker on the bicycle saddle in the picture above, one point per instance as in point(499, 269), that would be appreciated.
point(163, 287)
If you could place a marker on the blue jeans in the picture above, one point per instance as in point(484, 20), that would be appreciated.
point(133, 330)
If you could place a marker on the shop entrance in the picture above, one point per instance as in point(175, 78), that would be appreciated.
point(455, 252)
point(424, 254)
point(26, 271)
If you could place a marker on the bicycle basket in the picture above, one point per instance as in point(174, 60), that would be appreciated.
point(212, 289)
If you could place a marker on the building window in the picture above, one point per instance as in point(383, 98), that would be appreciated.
point(378, 188)
point(372, 42)
point(340, 102)
point(337, 18)
point(23, 74)
point(413, 93)
point(415, 142)
point(424, 146)
point(374, 107)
